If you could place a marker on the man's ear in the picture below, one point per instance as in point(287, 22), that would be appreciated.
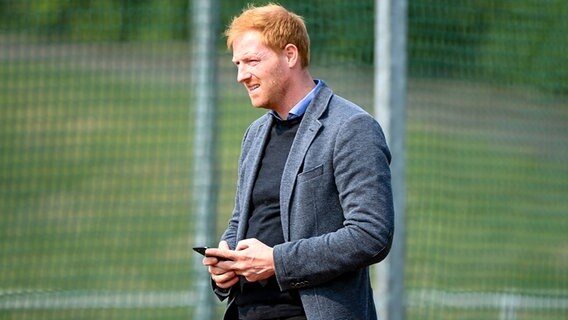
point(291, 52)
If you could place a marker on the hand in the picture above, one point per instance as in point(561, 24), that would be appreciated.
point(252, 259)
point(220, 271)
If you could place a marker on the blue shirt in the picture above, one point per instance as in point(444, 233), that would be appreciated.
point(300, 108)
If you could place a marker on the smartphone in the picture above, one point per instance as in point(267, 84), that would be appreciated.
point(201, 251)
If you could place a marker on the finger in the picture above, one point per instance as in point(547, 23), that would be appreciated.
point(221, 253)
point(210, 261)
point(244, 244)
point(221, 275)
point(249, 243)
point(224, 277)
point(227, 284)
point(214, 270)
point(224, 245)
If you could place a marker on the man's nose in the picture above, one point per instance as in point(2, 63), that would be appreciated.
point(242, 74)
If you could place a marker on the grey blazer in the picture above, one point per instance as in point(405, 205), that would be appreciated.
point(336, 207)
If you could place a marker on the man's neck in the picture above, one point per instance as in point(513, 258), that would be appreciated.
point(297, 90)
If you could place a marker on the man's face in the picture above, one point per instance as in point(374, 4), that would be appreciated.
point(263, 72)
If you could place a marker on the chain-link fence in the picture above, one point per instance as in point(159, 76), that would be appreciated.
point(96, 140)
point(487, 160)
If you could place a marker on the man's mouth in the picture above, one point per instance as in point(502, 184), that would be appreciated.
point(253, 87)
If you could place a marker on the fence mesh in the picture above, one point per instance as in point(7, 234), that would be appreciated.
point(96, 153)
point(487, 160)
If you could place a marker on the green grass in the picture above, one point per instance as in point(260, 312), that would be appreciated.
point(95, 187)
point(482, 223)
point(487, 190)
point(95, 183)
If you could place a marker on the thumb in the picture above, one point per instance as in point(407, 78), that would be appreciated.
point(224, 245)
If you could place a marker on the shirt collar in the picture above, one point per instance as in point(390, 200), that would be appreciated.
point(300, 108)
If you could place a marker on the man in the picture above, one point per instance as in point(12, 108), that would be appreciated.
point(313, 204)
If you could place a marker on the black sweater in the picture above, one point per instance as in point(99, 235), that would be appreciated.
point(265, 225)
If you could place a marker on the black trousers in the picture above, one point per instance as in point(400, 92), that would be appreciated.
point(271, 312)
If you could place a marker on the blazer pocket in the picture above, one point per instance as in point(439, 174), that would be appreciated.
point(310, 174)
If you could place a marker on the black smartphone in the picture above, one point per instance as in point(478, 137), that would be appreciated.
point(200, 250)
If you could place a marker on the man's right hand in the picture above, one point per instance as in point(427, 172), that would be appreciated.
point(220, 270)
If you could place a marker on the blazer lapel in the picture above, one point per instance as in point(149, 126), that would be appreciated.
point(307, 131)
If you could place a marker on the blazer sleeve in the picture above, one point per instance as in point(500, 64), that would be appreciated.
point(230, 234)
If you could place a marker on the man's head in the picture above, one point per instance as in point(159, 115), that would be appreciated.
point(277, 26)
point(271, 52)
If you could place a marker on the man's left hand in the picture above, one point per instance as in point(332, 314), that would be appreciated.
point(251, 259)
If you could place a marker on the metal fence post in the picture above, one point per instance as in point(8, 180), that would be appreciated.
point(204, 72)
point(390, 92)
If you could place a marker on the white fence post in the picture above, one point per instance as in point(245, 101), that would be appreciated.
point(205, 17)
point(390, 100)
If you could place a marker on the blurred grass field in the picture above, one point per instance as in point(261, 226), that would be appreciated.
point(95, 180)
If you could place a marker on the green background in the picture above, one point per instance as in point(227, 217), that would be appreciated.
point(96, 138)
